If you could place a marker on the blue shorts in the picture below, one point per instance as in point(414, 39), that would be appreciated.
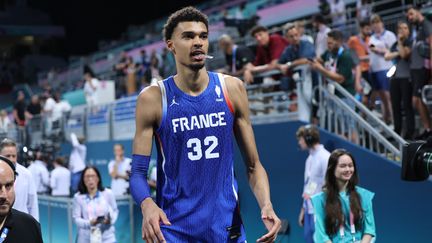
point(380, 81)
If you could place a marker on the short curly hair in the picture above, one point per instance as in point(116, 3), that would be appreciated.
point(183, 15)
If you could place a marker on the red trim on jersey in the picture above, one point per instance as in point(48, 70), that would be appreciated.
point(228, 100)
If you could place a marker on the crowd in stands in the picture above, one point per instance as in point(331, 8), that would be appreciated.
point(360, 63)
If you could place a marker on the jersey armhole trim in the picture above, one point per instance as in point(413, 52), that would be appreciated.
point(225, 92)
point(164, 104)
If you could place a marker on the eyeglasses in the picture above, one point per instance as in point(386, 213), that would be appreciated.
point(90, 176)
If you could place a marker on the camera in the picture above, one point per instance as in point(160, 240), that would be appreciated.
point(417, 160)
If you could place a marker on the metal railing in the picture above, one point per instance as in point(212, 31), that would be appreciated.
point(358, 125)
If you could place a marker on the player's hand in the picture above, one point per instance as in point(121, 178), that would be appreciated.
point(301, 217)
point(153, 216)
point(272, 223)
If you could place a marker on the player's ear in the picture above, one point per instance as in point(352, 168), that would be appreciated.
point(170, 46)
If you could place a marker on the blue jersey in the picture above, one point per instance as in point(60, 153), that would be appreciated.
point(196, 187)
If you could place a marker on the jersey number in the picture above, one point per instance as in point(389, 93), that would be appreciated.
point(195, 144)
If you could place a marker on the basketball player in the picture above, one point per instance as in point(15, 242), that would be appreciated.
point(193, 116)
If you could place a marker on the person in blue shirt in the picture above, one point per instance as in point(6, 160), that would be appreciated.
point(343, 211)
point(295, 54)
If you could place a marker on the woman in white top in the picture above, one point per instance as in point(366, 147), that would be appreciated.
point(90, 87)
point(94, 209)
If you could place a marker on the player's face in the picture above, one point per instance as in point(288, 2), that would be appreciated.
point(7, 191)
point(262, 37)
point(189, 44)
point(344, 168)
point(9, 152)
point(302, 143)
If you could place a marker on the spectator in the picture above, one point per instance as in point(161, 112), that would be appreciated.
point(34, 108)
point(337, 62)
point(131, 72)
point(168, 60)
point(77, 160)
point(315, 169)
point(119, 170)
point(269, 49)
point(145, 60)
point(301, 29)
point(296, 54)
point(90, 87)
point(60, 180)
point(120, 69)
point(236, 56)
point(380, 42)
point(338, 13)
point(324, 7)
point(16, 226)
point(48, 107)
point(338, 66)
point(420, 75)
point(343, 201)
point(19, 109)
point(319, 24)
point(152, 74)
point(359, 45)
point(363, 10)
point(400, 85)
point(40, 174)
point(94, 209)
point(61, 108)
point(26, 200)
point(5, 122)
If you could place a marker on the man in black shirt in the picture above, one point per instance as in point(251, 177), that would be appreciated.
point(419, 74)
point(15, 226)
point(19, 109)
point(236, 56)
point(34, 108)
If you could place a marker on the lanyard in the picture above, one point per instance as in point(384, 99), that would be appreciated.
point(363, 43)
point(4, 234)
point(95, 206)
point(340, 51)
point(233, 65)
point(352, 227)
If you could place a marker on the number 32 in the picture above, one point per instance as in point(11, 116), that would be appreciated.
point(195, 145)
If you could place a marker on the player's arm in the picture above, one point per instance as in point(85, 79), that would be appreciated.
point(148, 113)
point(257, 175)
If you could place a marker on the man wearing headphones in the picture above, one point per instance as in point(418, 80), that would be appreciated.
point(315, 170)
point(15, 226)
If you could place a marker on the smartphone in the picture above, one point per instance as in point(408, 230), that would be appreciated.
point(100, 219)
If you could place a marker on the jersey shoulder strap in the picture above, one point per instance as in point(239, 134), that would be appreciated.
point(225, 92)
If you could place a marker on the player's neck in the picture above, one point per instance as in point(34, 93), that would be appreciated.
point(191, 82)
